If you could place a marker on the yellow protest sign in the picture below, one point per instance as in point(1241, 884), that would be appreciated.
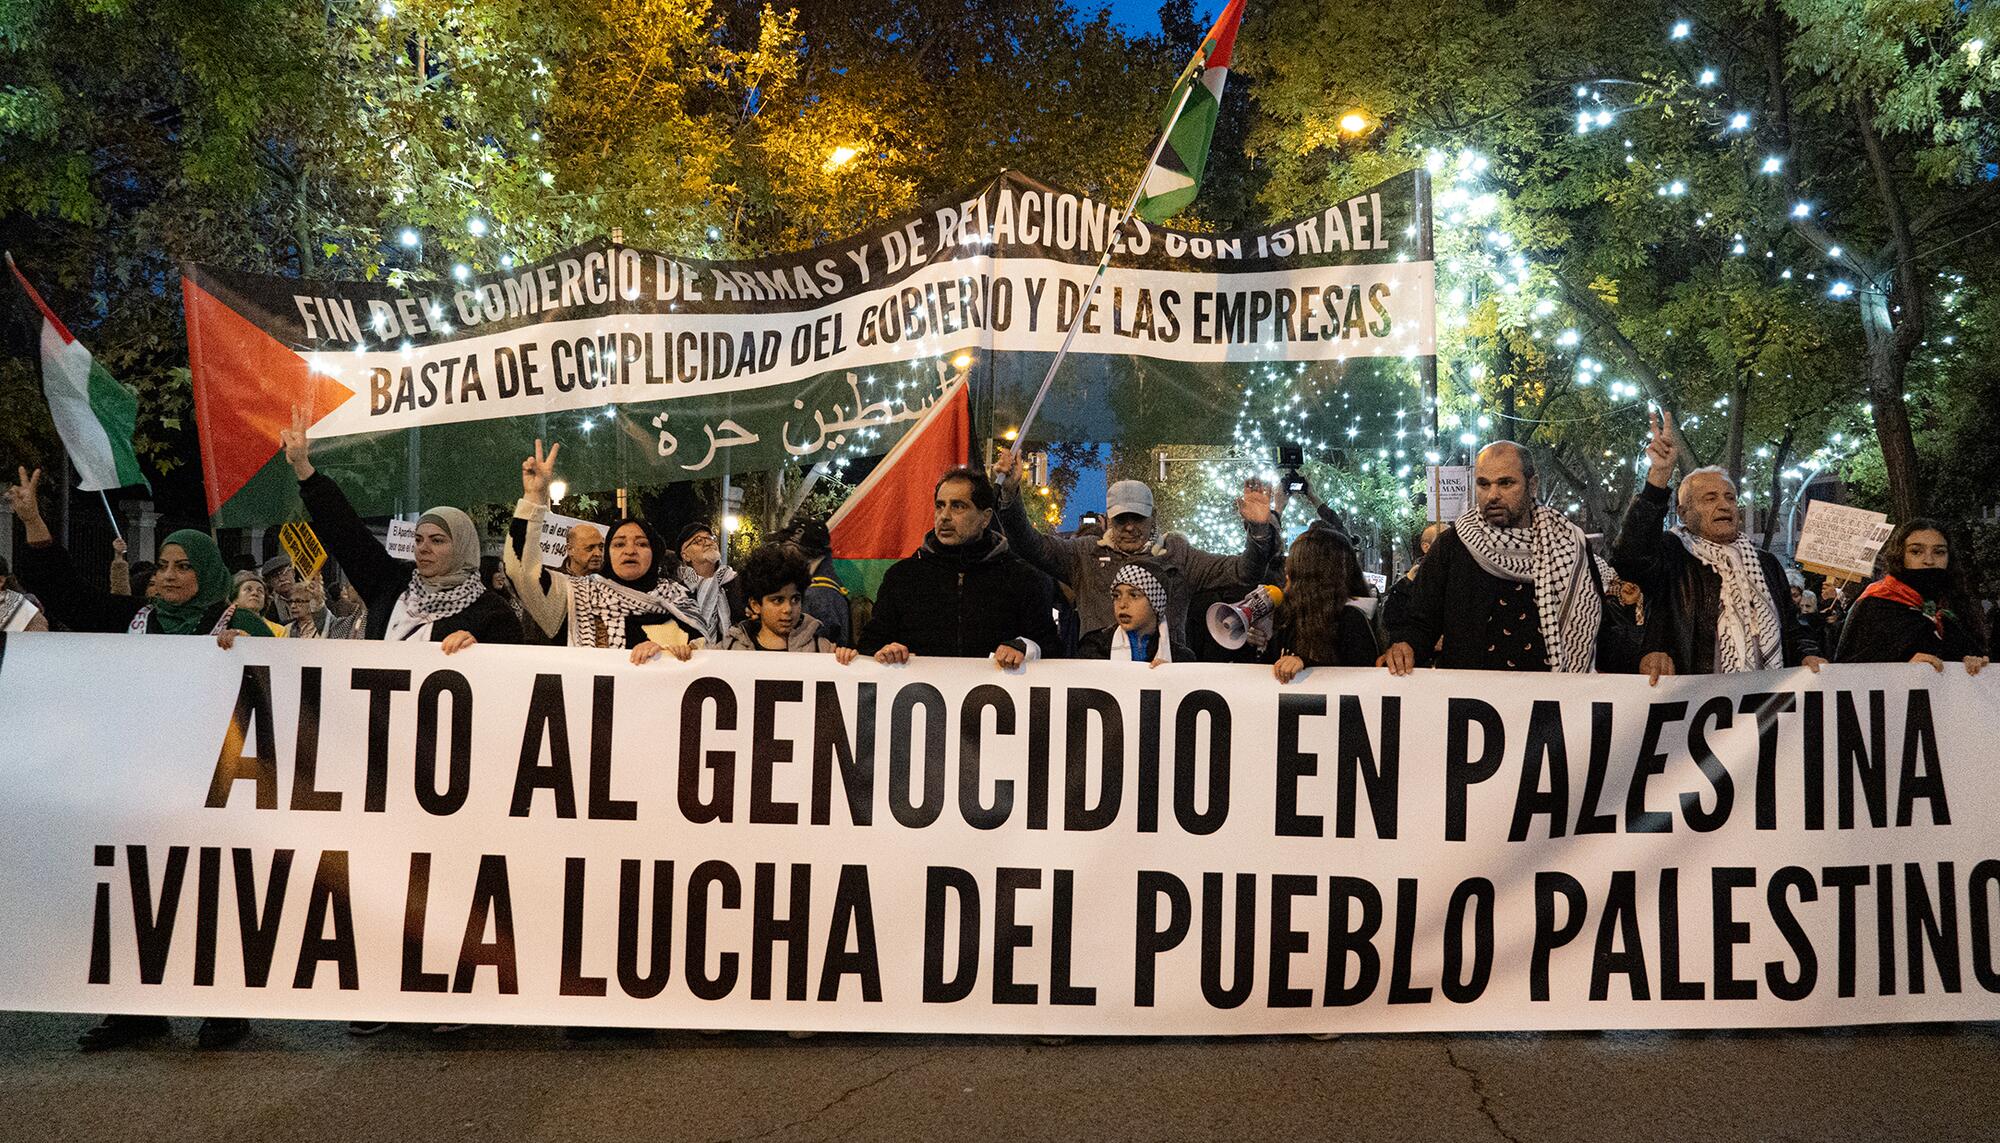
point(297, 538)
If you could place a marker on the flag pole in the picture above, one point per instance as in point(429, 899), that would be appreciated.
point(1189, 77)
point(115, 529)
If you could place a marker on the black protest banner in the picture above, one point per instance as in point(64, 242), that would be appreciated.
point(652, 367)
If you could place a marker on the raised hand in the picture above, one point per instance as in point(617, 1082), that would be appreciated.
point(1255, 503)
point(1007, 470)
point(298, 448)
point(1660, 450)
point(538, 471)
point(25, 495)
point(118, 548)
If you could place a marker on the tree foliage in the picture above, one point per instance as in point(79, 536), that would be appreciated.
point(1610, 234)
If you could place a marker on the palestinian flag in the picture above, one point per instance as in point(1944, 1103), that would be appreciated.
point(1174, 180)
point(94, 414)
point(888, 516)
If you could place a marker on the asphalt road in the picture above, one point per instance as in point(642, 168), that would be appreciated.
point(311, 1081)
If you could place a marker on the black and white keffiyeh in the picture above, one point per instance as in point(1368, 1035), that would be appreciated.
point(424, 603)
point(13, 603)
point(431, 598)
point(1549, 553)
point(599, 608)
point(1746, 629)
point(710, 598)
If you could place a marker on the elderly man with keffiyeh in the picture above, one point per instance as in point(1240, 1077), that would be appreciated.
point(1510, 587)
point(1715, 603)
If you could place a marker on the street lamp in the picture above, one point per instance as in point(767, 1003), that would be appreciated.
point(1354, 123)
point(840, 157)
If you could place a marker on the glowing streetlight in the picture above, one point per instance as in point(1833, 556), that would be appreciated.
point(1354, 123)
point(1010, 434)
point(840, 157)
point(558, 488)
point(962, 362)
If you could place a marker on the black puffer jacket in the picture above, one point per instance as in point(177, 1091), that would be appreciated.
point(1684, 598)
point(962, 601)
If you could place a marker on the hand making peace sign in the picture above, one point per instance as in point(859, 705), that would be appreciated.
point(538, 472)
point(298, 449)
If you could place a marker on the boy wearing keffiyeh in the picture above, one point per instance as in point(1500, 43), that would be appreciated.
point(1140, 634)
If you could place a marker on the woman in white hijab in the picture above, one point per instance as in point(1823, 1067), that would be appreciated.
point(440, 600)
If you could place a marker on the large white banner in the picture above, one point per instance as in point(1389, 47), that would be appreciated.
point(552, 836)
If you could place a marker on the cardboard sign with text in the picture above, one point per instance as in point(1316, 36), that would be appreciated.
point(1840, 541)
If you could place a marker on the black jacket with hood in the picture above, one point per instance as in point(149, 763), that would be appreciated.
point(962, 601)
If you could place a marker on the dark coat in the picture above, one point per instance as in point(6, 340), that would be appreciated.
point(1884, 631)
point(1451, 599)
point(71, 602)
point(1684, 598)
point(1620, 649)
point(1355, 636)
point(380, 578)
point(826, 600)
point(1097, 645)
point(948, 601)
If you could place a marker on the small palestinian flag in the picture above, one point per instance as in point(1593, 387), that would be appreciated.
point(1173, 181)
point(94, 414)
point(887, 517)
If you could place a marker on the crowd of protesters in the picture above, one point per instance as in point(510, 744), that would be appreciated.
point(1511, 585)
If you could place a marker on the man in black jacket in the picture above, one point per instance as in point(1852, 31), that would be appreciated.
point(1714, 602)
point(1511, 586)
point(963, 593)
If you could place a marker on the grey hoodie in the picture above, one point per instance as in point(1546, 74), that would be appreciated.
point(805, 636)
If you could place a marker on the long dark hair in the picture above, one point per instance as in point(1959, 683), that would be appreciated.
point(1319, 571)
point(1958, 571)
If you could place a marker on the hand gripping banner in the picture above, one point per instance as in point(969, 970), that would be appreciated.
point(552, 836)
point(652, 368)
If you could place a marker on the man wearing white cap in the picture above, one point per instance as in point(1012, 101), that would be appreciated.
point(1089, 564)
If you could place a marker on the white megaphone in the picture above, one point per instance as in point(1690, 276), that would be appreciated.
point(1230, 624)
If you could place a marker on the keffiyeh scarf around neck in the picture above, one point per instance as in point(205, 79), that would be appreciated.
point(1746, 630)
point(1550, 554)
point(431, 598)
point(602, 604)
point(599, 608)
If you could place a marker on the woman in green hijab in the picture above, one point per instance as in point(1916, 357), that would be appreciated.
point(191, 585)
point(191, 598)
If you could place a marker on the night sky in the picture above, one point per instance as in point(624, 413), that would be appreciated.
point(1140, 17)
